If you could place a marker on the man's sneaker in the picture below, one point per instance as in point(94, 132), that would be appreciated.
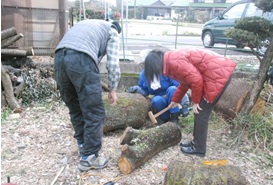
point(92, 162)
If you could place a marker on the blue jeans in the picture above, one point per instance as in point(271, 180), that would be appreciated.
point(161, 102)
point(78, 80)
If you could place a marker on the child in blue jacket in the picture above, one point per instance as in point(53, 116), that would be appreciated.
point(162, 90)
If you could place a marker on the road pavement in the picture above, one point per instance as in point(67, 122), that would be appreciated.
point(142, 34)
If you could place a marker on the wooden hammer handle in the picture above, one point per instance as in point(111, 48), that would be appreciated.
point(161, 112)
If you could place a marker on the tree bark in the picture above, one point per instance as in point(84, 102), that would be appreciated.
point(130, 110)
point(188, 173)
point(256, 89)
point(9, 41)
point(141, 145)
point(9, 94)
point(231, 102)
point(8, 33)
point(14, 52)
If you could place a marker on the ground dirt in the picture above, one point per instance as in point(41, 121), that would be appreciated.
point(37, 147)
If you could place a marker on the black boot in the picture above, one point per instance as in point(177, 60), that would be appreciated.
point(175, 118)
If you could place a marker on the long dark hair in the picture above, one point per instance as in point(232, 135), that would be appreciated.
point(153, 64)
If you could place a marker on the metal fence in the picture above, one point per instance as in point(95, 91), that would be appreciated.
point(40, 27)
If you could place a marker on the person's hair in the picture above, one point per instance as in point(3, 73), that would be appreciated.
point(153, 64)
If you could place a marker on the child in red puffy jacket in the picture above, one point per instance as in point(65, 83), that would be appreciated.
point(206, 73)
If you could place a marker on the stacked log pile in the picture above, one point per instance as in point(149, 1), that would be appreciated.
point(10, 74)
point(9, 37)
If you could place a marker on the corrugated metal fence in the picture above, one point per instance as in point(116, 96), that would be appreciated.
point(40, 27)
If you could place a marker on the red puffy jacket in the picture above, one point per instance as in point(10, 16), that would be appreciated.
point(203, 71)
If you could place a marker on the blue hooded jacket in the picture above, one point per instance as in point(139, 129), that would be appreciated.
point(165, 83)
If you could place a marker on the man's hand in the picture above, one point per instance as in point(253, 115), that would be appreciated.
point(112, 97)
point(196, 108)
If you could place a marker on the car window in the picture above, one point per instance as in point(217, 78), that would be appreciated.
point(235, 12)
point(253, 10)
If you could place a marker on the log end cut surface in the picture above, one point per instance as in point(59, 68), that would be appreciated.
point(124, 165)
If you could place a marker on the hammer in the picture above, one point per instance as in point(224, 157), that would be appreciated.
point(153, 117)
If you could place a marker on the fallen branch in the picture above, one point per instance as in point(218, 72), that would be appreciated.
point(58, 174)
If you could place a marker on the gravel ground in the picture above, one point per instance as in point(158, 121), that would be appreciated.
point(37, 147)
point(37, 144)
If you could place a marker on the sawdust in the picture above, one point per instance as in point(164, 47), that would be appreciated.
point(37, 147)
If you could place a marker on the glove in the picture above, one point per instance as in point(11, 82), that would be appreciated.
point(132, 89)
point(136, 89)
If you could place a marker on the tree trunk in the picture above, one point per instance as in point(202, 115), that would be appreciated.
point(252, 97)
point(8, 33)
point(188, 173)
point(9, 94)
point(141, 145)
point(130, 110)
point(231, 102)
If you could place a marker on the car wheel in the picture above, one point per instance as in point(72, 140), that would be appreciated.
point(262, 49)
point(208, 40)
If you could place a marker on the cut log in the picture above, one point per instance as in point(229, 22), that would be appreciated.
point(230, 103)
point(14, 52)
point(8, 33)
point(130, 110)
point(30, 51)
point(189, 173)
point(9, 41)
point(141, 145)
point(9, 94)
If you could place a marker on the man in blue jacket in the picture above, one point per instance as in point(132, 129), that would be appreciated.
point(77, 74)
point(163, 90)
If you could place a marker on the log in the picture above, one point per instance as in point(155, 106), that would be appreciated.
point(180, 172)
point(30, 51)
point(130, 110)
point(9, 94)
point(3, 100)
point(138, 146)
point(8, 33)
point(9, 41)
point(10, 69)
point(14, 52)
point(230, 103)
